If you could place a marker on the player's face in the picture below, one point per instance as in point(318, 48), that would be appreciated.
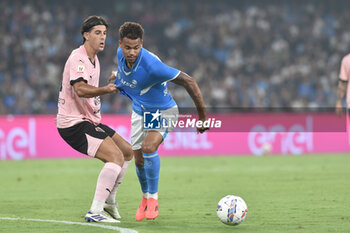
point(96, 37)
point(131, 49)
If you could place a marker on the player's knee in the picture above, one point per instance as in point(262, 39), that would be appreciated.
point(148, 148)
point(118, 159)
point(128, 154)
point(115, 157)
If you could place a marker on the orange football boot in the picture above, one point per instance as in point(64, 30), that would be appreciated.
point(140, 213)
point(152, 210)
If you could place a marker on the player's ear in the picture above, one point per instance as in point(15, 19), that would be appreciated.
point(120, 43)
point(86, 35)
point(141, 44)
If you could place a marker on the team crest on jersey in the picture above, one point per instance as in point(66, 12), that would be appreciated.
point(81, 68)
point(97, 100)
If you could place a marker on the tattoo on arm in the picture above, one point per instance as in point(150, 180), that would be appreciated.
point(193, 90)
point(182, 79)
point(342, 87)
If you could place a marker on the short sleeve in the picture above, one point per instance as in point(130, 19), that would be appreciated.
point(344, 68)
point(77, 69)
point(162, 72)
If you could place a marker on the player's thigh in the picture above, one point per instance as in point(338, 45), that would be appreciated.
point(171, 116)
point(124, 146)
point(84, 137)
point(108, 151)
point(152, 141)
point(137, 132)
point(155, 137)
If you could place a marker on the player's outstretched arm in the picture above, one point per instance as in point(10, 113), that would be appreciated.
point(87, 91)
point(342, 87)
point(193, 90)
point(111, 79)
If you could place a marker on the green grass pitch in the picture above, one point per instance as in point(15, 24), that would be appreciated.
point(308, 193)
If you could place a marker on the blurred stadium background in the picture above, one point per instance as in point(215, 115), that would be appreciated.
point(243, 54)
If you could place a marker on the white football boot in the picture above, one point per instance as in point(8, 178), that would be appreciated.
point(112, 210)
point(99, 217)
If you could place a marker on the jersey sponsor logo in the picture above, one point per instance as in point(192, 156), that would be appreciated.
point(81, 69)
point(126, 83)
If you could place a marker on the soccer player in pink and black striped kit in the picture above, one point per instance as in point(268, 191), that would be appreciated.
point(78, 119)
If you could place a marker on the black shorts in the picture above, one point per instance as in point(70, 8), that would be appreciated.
point(76, 137)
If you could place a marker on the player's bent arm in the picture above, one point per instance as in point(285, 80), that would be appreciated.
point(87, 91)
point(112, 78)
point(342, 87)
point(193, 90)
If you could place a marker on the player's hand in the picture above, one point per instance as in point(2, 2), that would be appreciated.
point(202, 129)
point(112, 78)
point(339, 109)
point(111, 88)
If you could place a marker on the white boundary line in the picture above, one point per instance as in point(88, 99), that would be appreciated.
point(122, 230)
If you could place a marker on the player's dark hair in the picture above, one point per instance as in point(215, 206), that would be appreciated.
point(90, 22)
point(131, 30)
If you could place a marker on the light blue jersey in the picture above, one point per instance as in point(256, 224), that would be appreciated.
point(146, 83)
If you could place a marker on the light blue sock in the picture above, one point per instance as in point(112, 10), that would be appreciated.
point(152, 168)
point(141, 174)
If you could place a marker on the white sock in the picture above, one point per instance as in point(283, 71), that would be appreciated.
point(97, 206)
point(145, 195)
point(154, 195)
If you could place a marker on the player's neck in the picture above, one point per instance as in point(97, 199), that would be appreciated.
point(129, 65)
point(90, 52)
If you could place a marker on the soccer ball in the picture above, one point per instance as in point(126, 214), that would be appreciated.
point(266, 148)
point(232, 210)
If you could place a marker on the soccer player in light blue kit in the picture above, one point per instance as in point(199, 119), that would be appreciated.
point(143, 78)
